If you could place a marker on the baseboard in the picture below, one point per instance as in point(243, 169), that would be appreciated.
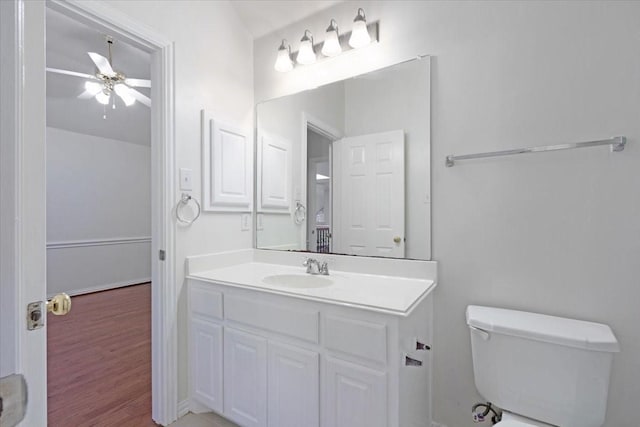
point(183, 408)
point(76, 292)
point(435, 424)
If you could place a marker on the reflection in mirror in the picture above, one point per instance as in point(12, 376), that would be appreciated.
point(345, 168)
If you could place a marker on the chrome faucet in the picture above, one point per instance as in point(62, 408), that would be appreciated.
point(315, 267)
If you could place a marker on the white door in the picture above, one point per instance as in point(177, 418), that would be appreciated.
point(353, 396)
point(206, 339)
point(22, 211)
point(245, 378)
point(370, 200)
point(293, 387)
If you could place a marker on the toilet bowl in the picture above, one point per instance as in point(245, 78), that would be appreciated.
point(513, 420)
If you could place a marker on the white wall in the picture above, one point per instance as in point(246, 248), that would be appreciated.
point(556, 233)
point(213, 71)
point(98, 199)
point(398, 98)
point(283, 117)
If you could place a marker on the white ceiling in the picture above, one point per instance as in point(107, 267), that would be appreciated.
point(262, 17)
point(68, 42)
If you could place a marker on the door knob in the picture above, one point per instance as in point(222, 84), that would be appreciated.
point(397, 239)
point(59, 305)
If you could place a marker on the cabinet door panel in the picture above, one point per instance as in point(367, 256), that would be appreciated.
point(206, 338)
point(353, 396)
point(293, 387)
point(245, 377)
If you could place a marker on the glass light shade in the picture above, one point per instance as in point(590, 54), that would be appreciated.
point(306, 55)
point(331, 45)
point(93, 87)
point(283, 61)
point(103, 97)
point(125, 94)
point(359, 35)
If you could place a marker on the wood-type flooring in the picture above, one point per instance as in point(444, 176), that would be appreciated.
point(99, 360)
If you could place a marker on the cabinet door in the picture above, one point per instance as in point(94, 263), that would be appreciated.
point(293, 387)
point(245, 378)
point(206, 374)
point(353, 396)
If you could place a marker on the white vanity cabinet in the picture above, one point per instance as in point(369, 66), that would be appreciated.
point(245, 378)
point(262, 358)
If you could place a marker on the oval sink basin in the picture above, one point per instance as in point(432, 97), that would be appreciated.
point(299, 281)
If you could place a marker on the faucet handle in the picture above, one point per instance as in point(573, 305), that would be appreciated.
point(324, 269)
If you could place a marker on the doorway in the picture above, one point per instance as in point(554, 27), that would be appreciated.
point(24, 209)
point(316, 189)
point(98, 221)
point(319, 184)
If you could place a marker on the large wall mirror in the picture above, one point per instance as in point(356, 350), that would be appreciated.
point(345, 168)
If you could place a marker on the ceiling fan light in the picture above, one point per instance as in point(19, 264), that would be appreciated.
point(93, 87)
point(283, 61)
point(103, 97)
point(306, 54)
point(124, 93)
point(359, 34)
point(331, 45)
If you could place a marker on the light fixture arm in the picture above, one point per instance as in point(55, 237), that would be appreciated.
point(360, 16)
point(306, 37)
point(285, 46)
point(333, 26)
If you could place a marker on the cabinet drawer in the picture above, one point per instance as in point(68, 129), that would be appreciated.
point(359, 338)
point(278, 318)
point(206, 302)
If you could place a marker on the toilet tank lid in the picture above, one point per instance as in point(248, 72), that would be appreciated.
point(540, 327)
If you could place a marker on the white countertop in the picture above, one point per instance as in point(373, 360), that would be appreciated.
point(389, 294)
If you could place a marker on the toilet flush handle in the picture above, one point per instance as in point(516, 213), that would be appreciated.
point(484, 334)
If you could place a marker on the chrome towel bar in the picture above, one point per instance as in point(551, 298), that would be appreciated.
point(617, 143)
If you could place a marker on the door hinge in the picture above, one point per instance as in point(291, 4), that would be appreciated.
point(162, 255)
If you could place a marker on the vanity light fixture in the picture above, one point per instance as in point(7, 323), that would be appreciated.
point(283, 61)
point(306, 54)
point(331, 45)
point(359, 34)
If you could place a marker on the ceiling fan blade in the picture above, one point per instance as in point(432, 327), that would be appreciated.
point(71, 73)
point(138, 82)
point(140, 97)
point(102, 63)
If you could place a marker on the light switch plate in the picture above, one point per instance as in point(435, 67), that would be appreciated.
point(245, 222)
point(186, 182)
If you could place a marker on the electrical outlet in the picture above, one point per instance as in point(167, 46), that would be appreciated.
point(186, 182)
point(245, 222)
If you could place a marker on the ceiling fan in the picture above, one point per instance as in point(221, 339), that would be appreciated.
point(106, 81)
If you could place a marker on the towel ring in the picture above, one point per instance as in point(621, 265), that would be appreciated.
point(184, 200)
point(300, 214)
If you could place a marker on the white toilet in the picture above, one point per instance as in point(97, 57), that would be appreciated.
point(541, 370)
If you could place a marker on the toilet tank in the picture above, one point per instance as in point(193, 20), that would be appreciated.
point(551, 369)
